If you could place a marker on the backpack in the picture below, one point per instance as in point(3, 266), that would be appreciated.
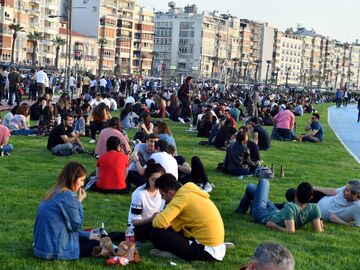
point(263, 173)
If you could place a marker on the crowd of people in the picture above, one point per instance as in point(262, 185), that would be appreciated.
point(170, 202)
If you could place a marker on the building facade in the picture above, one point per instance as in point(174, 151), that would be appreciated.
point(32, 16)
point(288, 54)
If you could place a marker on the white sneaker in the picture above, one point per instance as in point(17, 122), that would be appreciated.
point(208, 187)
point(92, 141)
point(181, 120)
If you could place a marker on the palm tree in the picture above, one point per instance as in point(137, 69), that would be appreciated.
point(35, 37)
point(101, 42)
point(58, 42)
point(16, 28)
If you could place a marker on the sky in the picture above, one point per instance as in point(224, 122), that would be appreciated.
point(338, 19)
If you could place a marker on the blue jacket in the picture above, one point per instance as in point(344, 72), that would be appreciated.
point(57, 227)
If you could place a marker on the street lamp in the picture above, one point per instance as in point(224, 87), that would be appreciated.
point(268, 62)
point(257, 62)
point(277, 75)
point(288, 69)
point(68, 43)
point(245, 71)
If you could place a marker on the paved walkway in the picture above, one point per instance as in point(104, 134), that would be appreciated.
point(343, 122)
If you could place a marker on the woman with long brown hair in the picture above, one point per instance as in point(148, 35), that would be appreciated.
point(163, 130)
point(99, 118)
point(18, 124)
point(145, 128)
point(57, 230)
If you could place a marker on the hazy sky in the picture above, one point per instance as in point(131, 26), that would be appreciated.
point(334, 18)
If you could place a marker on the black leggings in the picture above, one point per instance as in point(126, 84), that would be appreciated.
point(178, 244)
point(87, 246)
point(95, 188)
point(142, 232)
point(97, 127)
point(198, 174)
point(135, 178)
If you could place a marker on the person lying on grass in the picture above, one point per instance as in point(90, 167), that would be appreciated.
point(59, 218)
point(341, 205)
point(293, 216)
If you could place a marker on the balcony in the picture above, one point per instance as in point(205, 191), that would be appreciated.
point(90, 58)
point(50, 30)
point(34, 25)
point(34, 12)
point(110, 3)
point(126, 17)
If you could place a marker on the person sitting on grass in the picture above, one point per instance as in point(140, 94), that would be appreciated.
point(63, 141)
point(111, 169)
point(293, 216)
point(146, 202)
point(162, 157)
point(59, 218)
point(317, 131)
point(224, 134)
point(114, 129)
point(164, 133)
point(271, 256)
point(237, 159)
point(259, 134)
point(5, 147)
point(190, 226)
point(18, 125)
point(195, 173)
point(340, 206)
point(141, 154)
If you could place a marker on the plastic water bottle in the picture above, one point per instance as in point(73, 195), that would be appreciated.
point(129, 234)
point(58, 119)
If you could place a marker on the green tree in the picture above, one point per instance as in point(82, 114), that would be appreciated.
point(58, 42)
point(16, 28)
point(35, 37)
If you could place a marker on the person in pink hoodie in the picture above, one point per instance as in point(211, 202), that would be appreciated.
point(284, 122)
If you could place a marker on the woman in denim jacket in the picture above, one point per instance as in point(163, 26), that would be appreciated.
point(57, 230)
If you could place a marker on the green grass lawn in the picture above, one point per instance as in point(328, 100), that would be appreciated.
point(32, 170)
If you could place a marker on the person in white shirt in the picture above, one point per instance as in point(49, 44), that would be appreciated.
point(72, 85)
point(93, 84)
point(41, 79)
point(146, 203)
point(161, 157)
point(342, 205)
point(103, 83)
point(113, 105)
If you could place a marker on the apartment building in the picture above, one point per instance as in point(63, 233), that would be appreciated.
point(32, 16)
point(124, 31)
point(134, 39)
point(210, 45)
point(288, 54)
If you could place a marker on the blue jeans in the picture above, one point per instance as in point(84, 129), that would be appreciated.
point(7, 148)
point(65, 149)
point(262, 207)
point(23, 132)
